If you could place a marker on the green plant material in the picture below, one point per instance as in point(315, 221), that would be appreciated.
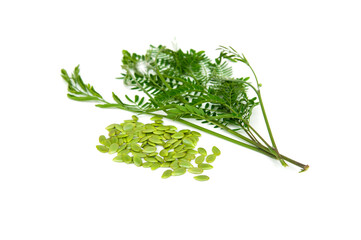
point(187, 85)
point(210, 158)
point(167, 174)
point(179, 171)
point(201, 178)
point(102, 149)
point(113, 148)
point(216, 151)
point(205, 166)
point(202, 151)
point(199, 159)
point(195, 170)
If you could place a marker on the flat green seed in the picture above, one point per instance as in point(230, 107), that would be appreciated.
point(111, 133)
point(123, 152)
point(135, 147)
point(141, 134)
point(127, 159)
point(145, 138)
point(185, 131)
point(102, 149)
point(152, 154)
point(171, 141)
point(141, 155)
point(149, 149)
point(171, 131)
point(117, 132)
point(210, 158)
point(118, 127)
point(156, 118)
point(216, 151)
point(147, 164)
point(201, 178)
point(149, 126)
point(195, 170)
point(107, 142)
point(129, 138)
point(179, 148)
point(167, 136)
point(150, 159)
point(156, 140)
point(190, 156)
point(102, 139)
point(120, 141)
point(163, 153)
point(128, 126)
point(135, 118)
point(122, 147)
point(114, 139)
point(185, 164)
point(123, 135)
point(168, 159)
point(111, 126)
point(148, 130)
point(151, 144)
point(205, 166)
point(155, 166)
point(163, 128)
point(176, 144)
point(179, 154)
point(199, 159)
point(159, 121)
point(174, 165)
point(159, 159)
point(179, 171)
point(137, 161)
point(113, 148)
point(202, 151)
point(165, 165)
point(173, 128)
point(158, 132)
point(118, 158)
point(178, 135)
point(197, 134)
point(167, 174)
point(192, 151)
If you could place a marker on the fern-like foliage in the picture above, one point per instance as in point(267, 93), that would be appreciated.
point(191, 79)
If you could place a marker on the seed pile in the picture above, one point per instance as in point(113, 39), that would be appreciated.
point(137, 143)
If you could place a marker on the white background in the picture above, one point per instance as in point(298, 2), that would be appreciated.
point(54, 184)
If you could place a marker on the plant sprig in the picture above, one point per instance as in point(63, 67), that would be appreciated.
point(189, 85)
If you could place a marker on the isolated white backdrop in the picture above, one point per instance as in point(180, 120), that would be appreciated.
point(55, 185)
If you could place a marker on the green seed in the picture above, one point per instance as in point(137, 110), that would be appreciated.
point(156, 140)
point(102, 149)
point(111, 126)
point(202, 151)
point(197, 134)
point(113, 148)
point(150, 159)
point(158, 132)
point(205, 166)
point(190, 156)
point(102, 139)
point(120, 141)
point(167, 174)
point(137, 161)
point(185, 131)
point(174, 145)
point(159, 121)
point(118, 158)
point(159, 159)
point(216, 151)
point(179, 171)
point(124, 146)
point(187, 141)
point(149, 130)
point(135, 118)
point(124, 152)
point(111, 133)
point(179, 154)
point(163, 128)
point(185, 164)
point(152, 154)
point(135, 147)
point(155, 166)
point(195, 170)
point(156, 118)
point(200, 159)
point(178, 135)
point(147, 164)
point(141, 155)
point(174, 165)
point(210, 158)
point(128, 127)
point(201, 178)
point(163, 153)
point(118, 127)
point(165, 165)
point(191, 151)
point(107, 142)
point(167, 136)
point(179, 148)
point(114, 139)
point(149, 149)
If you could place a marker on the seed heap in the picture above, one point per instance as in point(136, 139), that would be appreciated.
point(141, 141)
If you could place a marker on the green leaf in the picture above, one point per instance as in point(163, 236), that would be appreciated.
point(116, 98)
point(128, 98)
point(81, 98)
point(108, 105)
